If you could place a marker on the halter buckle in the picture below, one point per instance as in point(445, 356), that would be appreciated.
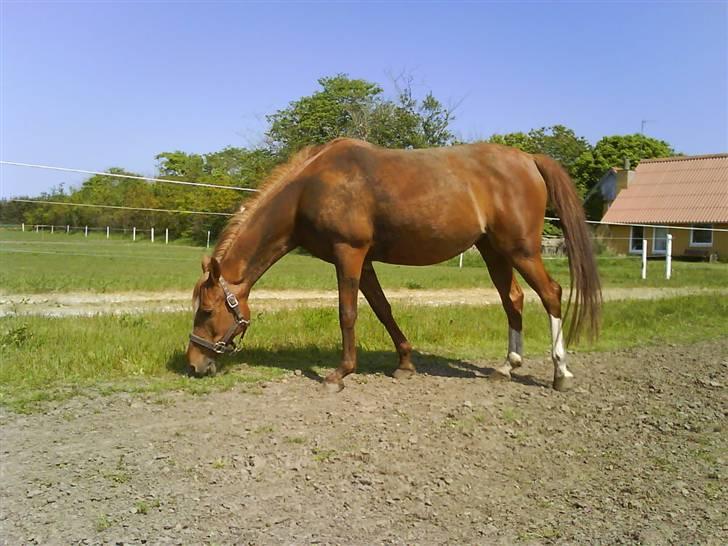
point(220, 347)
point(231, 300)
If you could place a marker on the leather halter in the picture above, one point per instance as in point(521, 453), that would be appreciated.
point(226, 344)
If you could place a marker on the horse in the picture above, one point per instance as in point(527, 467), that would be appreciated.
point(351, 203)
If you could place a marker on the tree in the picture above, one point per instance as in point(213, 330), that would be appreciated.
point(611, 151)
point(356, 108)
point(338, 109)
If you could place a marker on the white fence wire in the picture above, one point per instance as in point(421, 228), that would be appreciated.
point(550, 247)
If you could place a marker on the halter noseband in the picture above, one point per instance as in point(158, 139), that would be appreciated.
point(226, 344)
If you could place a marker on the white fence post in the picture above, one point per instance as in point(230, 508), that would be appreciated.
point(68, 229)
point(461, 260)
point(107, 232)
point(22, 227)
point(668, 258)
point(37, 228)
point(152, 235)
point(644, 258)
point(85, 231)
point(166, 236)
point(208, 238)
point(133, 234)
point(52, 226)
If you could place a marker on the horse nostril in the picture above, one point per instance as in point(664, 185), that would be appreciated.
point(191, 371)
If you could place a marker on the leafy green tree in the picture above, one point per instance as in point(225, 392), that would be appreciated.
point(611, 151)
point(356, 108)
point(340, 108)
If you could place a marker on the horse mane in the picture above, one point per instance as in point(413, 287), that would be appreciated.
point(276, 180)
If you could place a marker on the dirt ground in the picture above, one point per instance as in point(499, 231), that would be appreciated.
point(91, 303)
point(636, 454)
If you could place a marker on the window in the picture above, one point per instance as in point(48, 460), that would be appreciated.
point(636, 234)
point(659, 240)
point(702, 236)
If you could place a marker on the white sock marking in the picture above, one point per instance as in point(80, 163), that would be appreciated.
point(558, 353)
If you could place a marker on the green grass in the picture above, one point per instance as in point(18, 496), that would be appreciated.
point(41, 262)
point(44, 359)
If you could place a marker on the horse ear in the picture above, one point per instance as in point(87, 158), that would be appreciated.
point(214, 269)
point(206, 264)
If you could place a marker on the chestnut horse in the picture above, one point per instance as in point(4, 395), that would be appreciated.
point(351, 203)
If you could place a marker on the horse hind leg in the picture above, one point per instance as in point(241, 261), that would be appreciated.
point(372, 290)
point(533, 270)
point(511, 294)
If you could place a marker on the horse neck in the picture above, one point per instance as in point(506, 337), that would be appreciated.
point(264, 238)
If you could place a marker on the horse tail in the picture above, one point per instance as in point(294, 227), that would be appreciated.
point(585, 293)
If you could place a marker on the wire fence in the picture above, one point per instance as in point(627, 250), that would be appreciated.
point(129, 176)
point(613, 247)
point(635, 245)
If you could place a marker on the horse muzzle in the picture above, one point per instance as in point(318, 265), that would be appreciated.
point(199, 364)
point(206, 368)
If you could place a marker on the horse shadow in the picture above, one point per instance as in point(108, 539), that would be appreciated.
point(310, 360)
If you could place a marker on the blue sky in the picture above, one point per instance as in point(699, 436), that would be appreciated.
point(102, 84)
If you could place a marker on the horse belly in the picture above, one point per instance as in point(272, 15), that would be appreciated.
point(425, 242)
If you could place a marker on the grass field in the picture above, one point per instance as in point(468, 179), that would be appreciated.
point(44, 262)
point(43, 359)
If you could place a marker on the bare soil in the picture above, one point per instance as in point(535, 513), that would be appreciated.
point(636, 454)
point(92, 303)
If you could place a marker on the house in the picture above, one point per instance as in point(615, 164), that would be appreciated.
point(684, 192)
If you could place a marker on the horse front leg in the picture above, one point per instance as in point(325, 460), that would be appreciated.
point(349, 261)
point(374, 294)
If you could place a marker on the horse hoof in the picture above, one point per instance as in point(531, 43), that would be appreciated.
point(563, 384)
point(515, 360)
point(501, 374)
point(333, 387)
point(403, 373)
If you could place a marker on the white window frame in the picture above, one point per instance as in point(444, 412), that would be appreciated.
point(655, 238)
point(699, 244)
point(632, 239)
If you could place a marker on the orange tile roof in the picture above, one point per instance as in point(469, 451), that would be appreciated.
point(675, 190)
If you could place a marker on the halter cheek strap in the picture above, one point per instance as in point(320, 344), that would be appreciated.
point(226, 344)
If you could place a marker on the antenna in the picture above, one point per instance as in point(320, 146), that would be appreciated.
point(643, 123)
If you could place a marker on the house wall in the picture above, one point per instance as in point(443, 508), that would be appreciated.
point(617, 239)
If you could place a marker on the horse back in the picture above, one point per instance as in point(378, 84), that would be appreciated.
point(399, 202)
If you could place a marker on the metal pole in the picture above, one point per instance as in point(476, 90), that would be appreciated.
point(152, 235)
point(461, 260)
point(668, 258)
point(166, 236)
point(133, 234)
point(85, 231)
point(644, 258)
point(208, 238)
point(107, 232)
point(22, 227)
